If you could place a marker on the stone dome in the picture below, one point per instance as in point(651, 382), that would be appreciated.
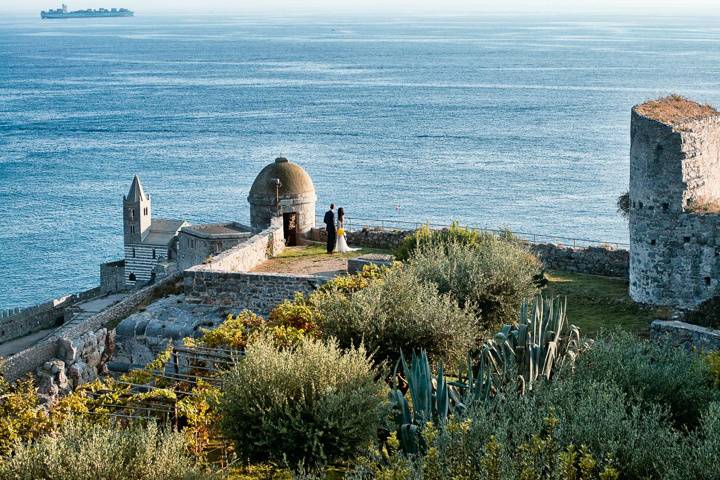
point(294, 181)
point(294, 200)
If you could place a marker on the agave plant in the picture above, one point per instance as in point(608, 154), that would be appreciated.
point(541, 344)
point(537, 348)
point(430, 400)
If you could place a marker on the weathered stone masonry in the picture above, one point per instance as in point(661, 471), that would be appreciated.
point(675, 252)
point(683, 334)
point(226, 280)
point(20, 322)
point(257, 292)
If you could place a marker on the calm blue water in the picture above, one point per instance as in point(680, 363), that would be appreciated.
point(521, 122)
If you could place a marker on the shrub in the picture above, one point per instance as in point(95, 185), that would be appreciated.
point(21, 418)
point(310, 405)
point(234, 332)
point(623, 205)
point(399, 313)
point(656, 372)
point(81, 451)
point(349, 284)
point(425, 236)
point(493, 277)
point(296, 313)
point(566, 429)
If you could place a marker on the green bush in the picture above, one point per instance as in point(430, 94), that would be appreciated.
point(313, 404)
point(493, 276)
point(425, 236)
point(349, 284)
point(566, 429)
point(399, 313)
point(82, 451)
point(660, 374)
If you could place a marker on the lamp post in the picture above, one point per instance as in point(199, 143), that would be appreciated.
point(278, 184)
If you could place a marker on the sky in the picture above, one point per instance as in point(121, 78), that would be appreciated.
point(403, 7)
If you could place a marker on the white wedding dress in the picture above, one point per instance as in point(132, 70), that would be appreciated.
point(341, 245)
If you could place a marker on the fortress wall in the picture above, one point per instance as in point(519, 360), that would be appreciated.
point(17, 323)
point(247, 255)
point(674, 252)
point(591, 260)
point(30, 359)
point(257, 292)
point(374, 237)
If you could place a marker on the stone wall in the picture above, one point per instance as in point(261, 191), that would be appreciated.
point(248, 254)
point(112, 277)
point(686, 334)
point(592, 260)
point(366, 237)
point(674, 252)
point(30, 359)
point(257, 292)
point(198, 243)
point(17, 323)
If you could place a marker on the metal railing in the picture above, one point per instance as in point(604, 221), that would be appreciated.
point(358, 223)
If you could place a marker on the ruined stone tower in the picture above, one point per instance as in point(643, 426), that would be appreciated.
point(674, 202)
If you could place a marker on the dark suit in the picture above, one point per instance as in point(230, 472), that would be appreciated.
point(330, 228)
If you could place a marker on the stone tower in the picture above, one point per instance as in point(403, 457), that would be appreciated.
point(283, 189)
point(674, 202)
point(137, 213)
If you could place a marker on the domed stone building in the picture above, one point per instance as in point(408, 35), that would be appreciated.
point(283, 189)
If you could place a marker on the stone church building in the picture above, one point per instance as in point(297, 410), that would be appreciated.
point(156, 246)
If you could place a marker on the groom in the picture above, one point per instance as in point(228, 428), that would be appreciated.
point(330, 228)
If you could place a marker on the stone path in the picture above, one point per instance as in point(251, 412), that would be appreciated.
point(308, 260)
point(83, 310)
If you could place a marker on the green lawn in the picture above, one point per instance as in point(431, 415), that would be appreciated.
point(596, 303)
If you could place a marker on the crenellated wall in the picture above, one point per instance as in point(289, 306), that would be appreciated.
point(19, 322)
point(30, 359)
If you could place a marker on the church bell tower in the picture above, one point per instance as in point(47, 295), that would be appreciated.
point(137, 213)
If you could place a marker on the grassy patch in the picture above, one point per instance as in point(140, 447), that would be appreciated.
point(305, 251)
point(598, 303)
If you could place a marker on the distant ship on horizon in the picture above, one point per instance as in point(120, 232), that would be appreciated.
point(100, 12)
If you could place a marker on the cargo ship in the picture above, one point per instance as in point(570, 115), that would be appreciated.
point(100, 12)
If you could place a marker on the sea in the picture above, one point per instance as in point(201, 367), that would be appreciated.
point(492, 121)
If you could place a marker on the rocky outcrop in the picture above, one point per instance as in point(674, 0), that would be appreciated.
point(79, 360)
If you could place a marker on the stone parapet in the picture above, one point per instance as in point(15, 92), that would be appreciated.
point(686, 335)
point(600, 260)
point(604, 261)
point(248, 254)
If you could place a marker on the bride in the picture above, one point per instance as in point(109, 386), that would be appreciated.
point(341, 244)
